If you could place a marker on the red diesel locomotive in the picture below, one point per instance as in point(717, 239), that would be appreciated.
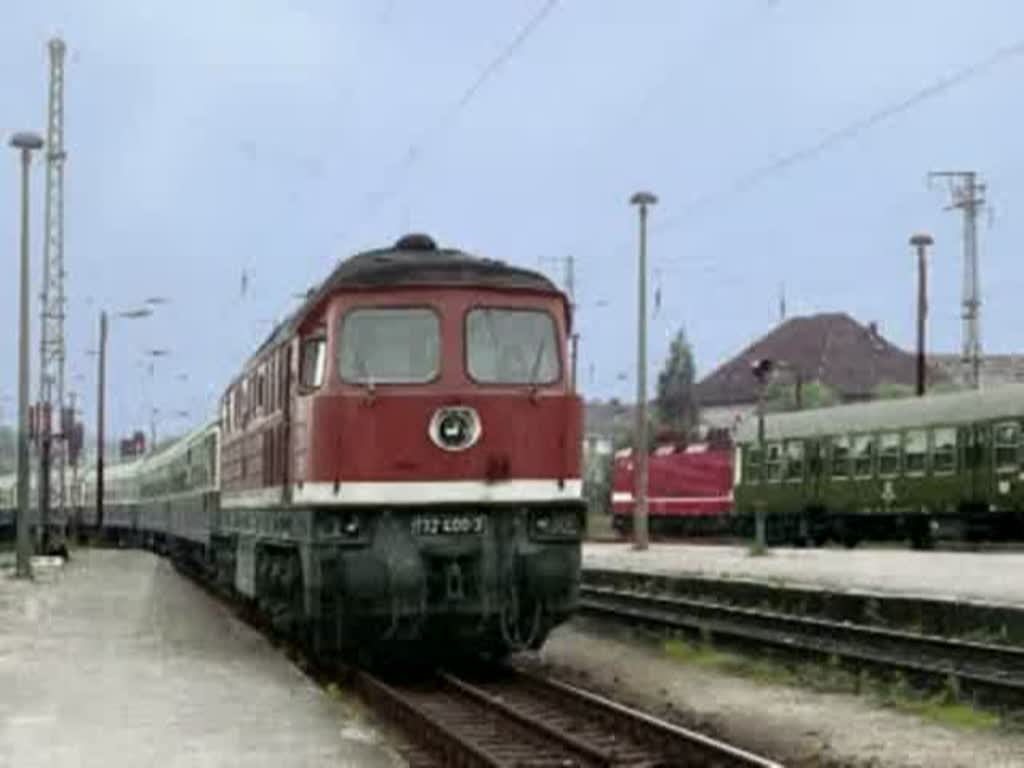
point(400, 460)
point(689, 490)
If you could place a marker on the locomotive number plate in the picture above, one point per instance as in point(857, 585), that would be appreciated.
point(448, 525)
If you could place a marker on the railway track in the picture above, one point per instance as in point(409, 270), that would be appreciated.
point(990, 674)
point(508, 717)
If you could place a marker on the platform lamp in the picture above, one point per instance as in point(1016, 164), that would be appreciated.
point(642, 201)
point(920, 242)
point(26, 143)
point(101, 398)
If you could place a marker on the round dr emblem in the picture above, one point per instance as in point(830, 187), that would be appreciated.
point(454, 429)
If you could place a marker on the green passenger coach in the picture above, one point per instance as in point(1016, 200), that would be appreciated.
point(912, 468)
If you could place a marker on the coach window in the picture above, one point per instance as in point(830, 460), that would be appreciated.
point(773, 462)
point(864, 455)
point(511, 346)
point(889, 455)
point(311, 371)
point(752, 454)
point(841, 456)
point(915, 450)
point(1007, 439)
point(795, 460)
point(390, 345)
point(944, 450)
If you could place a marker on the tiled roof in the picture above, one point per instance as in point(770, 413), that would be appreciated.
point(833, 348)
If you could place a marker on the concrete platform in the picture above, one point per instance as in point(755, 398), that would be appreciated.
point(993, 578)
point(117, 660)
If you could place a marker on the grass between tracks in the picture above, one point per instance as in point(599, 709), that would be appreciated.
point(943, 707)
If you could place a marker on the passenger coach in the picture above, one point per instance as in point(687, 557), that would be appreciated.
point(910, 467)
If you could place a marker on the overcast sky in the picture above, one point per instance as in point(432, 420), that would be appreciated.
point(210, 138)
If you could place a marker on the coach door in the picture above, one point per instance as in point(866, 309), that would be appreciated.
point(976, 462)
point(815, 471)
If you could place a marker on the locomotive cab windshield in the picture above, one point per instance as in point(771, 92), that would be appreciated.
point(396, 345)
point(511, 346)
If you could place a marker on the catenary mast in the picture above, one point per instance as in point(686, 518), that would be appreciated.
point(52, 423)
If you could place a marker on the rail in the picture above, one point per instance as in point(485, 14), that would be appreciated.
point(992, 673)
point(510, 717)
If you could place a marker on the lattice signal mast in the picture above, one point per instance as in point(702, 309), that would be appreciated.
point(968, 195)
point(52, 416)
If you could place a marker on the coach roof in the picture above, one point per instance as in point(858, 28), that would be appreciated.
point(883, 415)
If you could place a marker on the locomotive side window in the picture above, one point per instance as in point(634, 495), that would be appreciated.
point(511, 346)
point(311, 373)
point(282, 369)
point(390, 345)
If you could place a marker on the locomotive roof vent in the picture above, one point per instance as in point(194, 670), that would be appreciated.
point(416, 242)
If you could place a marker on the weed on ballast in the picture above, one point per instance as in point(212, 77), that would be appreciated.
point(758, 550)
point(945, 707)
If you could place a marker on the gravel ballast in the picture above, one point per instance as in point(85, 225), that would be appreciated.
point(797, 726)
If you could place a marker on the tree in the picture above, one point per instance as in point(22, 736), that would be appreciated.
point(8, 450)
point(780, 395)
point(890, 390)
point(676, 404)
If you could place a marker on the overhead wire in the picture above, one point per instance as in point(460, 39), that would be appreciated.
point(417, 147)
point(845, 133)
point(653, 93)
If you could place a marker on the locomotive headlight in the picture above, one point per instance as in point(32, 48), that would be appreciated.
point(350, 526)
point(345, 525)
point(557, 523)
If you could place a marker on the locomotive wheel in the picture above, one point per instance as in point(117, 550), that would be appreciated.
point(848, 532)
point(920, 532)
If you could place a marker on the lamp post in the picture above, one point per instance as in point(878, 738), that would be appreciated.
point(761, 369)
point(25, 143)
point(921, 241)
point(101, 397)
point(153, 354)
point(642, 200)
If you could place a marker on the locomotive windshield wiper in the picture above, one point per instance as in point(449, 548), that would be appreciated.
point(365, 377)
point(536, 362)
